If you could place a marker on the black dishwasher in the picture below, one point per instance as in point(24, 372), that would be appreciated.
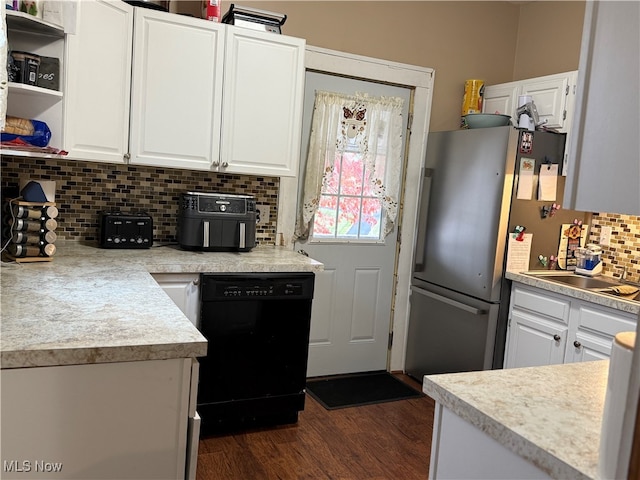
point(257, 327)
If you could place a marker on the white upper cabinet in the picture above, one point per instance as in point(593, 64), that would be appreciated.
point(30, 34)
point(161, 89)
point(604, 165)
point(98, 82)
point(553, 96)
point(501, 99)
point(176, 91)
point(263, 92)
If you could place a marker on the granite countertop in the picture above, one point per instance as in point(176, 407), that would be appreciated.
point(91, 305)
point(551, 416)
point(630, 306)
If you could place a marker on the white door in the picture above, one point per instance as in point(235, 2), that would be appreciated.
point(353, 296)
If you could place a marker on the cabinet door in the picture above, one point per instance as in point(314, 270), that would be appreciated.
point(604, 166)
point(106, 420)
point(264, 83)
point(98, 79)
point(176, 90)
point(534, 341)
point(587, 347)
point(549, 94)
point(596, 328)
point(501, 99)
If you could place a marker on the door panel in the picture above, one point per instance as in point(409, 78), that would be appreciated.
point(325, 283)
point(351, 311)
point(366, 285)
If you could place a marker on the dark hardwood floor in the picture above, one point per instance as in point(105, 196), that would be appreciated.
point(386, 441)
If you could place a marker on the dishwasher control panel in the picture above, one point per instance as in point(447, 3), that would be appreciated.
point(216, 287)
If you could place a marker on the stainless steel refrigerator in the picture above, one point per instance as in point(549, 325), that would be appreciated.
point(459, 296)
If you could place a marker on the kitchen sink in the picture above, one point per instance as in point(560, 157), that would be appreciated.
point(587, 283)
point(582, 282)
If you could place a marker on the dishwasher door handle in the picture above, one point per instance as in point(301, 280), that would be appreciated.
point(449, 301)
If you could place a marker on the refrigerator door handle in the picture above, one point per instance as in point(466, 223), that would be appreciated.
point(449, 301)
point(422, 219)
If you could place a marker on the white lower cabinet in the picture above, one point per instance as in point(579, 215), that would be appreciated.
point(184, 290)
point(546, 328)
point(107, 420)
point(461, 450)
point(535, 341)
point(596, 326)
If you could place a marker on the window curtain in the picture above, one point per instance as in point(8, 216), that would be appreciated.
point(374, 126)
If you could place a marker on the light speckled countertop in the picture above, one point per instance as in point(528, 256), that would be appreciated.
point(92, 305)
point(603, 299)
point(551, 416)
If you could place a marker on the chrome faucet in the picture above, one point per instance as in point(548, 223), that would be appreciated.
point(623, 275)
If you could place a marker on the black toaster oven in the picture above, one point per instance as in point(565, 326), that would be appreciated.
point(216, 222)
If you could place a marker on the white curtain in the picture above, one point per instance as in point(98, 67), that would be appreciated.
point(374, 125)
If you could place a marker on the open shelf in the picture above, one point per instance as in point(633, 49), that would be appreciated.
point(28, 23)
point(32, 90)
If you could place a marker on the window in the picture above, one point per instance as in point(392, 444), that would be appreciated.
point(352, 176)
point(348, 208)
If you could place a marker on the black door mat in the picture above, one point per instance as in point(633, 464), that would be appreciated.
point(353, 390)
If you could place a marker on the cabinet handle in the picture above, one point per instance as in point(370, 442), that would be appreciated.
point(215, 163)
point(225, 164)
point(127, 156)
point(577, 344)
point(557, 337)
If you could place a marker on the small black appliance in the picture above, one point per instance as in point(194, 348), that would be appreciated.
point(217, 222)
point(119, 229)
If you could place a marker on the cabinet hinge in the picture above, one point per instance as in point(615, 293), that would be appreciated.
point(566, 90)
point(410, 121)
point(564, 115)
point(575, 89)
point(390, 341)
point(509, 323)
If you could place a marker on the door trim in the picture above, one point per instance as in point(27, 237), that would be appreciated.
point(420, 79)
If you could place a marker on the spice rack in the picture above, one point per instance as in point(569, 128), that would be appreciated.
point(28, 234)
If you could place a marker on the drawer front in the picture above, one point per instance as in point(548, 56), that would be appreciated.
point(541, 303)
point(608, 322)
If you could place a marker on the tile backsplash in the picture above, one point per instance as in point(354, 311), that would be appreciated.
point(85, 188)
point(624, 246)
